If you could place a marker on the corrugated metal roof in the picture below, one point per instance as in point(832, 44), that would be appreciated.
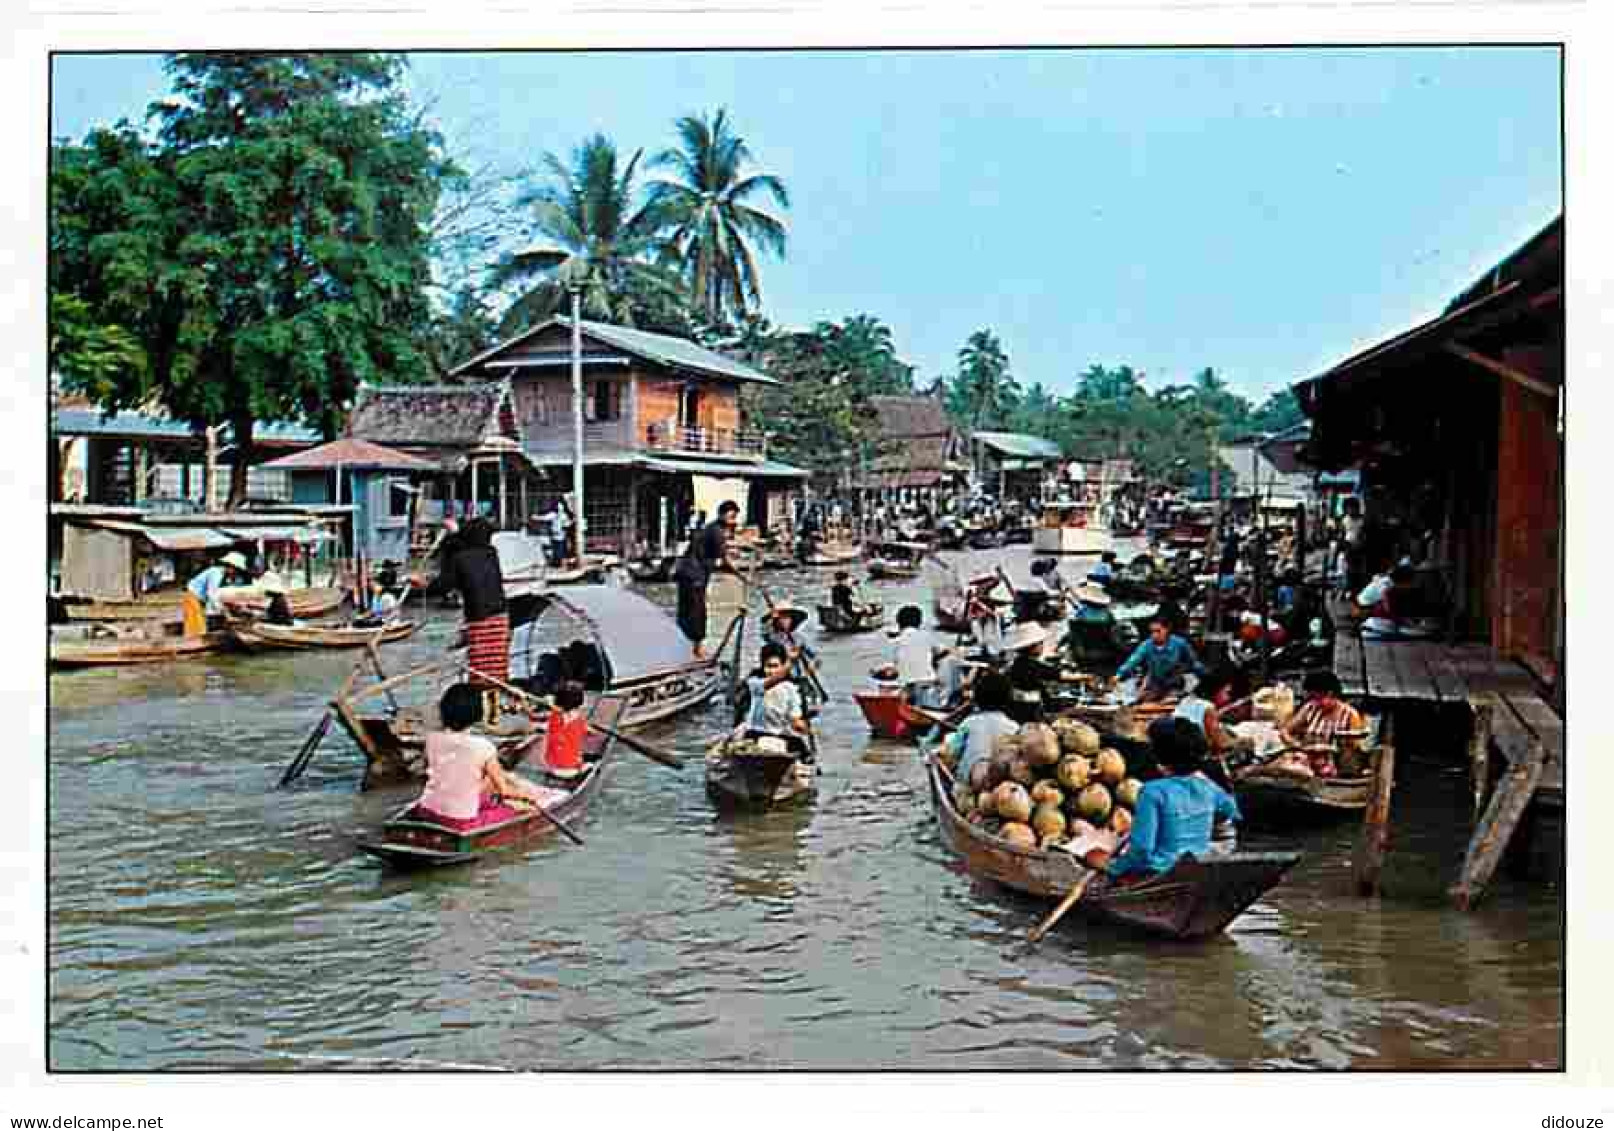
point(349, 452)
point(1020, 444)
point(664, 349)
point(178, 538)
point(303, 534)
point(760, 469)
point(139, 426)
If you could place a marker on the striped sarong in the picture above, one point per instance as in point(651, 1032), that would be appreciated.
point(489, 640)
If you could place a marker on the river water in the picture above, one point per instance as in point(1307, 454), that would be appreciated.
point(201, 919)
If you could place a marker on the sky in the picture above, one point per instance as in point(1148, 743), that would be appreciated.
point(1265, 213)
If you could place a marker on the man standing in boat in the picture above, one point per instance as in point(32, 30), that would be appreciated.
point(474, 573)
point(707, 552)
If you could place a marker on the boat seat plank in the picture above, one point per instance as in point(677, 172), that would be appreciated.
point(1379, 670)
point(1348, 663)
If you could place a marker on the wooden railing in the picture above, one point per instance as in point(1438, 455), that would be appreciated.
point(664, 437)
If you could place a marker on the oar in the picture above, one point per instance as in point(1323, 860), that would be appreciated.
point(552, 819)
point(634, 744)
point(807, 665)
point(306, 752)
point(1058, 913)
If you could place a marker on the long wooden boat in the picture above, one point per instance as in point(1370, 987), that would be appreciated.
point(98, 651)
point(1273, 800)
point(834, 620)
point(638, 653)
point(257, 635)
point(754, 780)
point(1195, 899)
point(889, 716)
point(409, 841)
point(899, 560)
point(306, 604)
point(833, 554)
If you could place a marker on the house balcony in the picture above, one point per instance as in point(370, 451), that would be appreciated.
point(740, 443)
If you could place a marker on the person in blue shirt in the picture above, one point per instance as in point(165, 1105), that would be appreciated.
point(1164, 660)
point(1104, 572)
point(1176, 815)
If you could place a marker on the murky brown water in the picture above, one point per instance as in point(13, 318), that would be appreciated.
point(200, 918)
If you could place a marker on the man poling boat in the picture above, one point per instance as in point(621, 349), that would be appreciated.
point(474, 572)
point(708, 551)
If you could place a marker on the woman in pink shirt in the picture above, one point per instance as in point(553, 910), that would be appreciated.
point(465, 784)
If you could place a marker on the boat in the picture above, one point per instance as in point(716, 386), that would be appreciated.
point(1195, 899)
point(257, 635)
point(306, 604)
point(620, 643)
point(889, 716)
point(751, 780)
point(897, 559)
point(829, 554)
point(652, 569)
point(1069, 526)
point(984, 538)
point(87, 648)
point(1274, 799)
point(834, 620)
point(407, 841)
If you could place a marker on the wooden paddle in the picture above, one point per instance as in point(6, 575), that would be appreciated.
point(305, 753)
point(637, 745)
point(523, 803)
point(1058, 913)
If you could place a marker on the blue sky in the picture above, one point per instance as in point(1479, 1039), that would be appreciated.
point(1263, 212)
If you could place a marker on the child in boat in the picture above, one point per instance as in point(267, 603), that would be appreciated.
point(973, 740)
point(568, 727)
point(916, 659)
point(466, 787)
point(775, 703)
point(1176, 815)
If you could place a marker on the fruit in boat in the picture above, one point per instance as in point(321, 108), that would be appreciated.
point(1048, 842)
point(1018, 834)
point(981, 776)
point(1022, 772)
point(1039, 745)
point(1046, 792)
point(1109, 767)
point(964, 798)
point(1120, 822)
point(1073, 772)
point(1012, 802)
point(1004, 747)
point(1078, 829)
point(1048, 820)
point(1078, 738)
point(1127, 792)
point(986, 803)
point(1094, 803)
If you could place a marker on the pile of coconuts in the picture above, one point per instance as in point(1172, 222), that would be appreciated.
point(1048, 785)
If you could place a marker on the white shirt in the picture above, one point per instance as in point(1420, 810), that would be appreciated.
point(914, 663)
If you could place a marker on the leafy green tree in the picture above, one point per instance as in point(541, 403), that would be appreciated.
point(268, 249)
point(709, 205)
point(983, 393)
point(1279, 411)
point(863, 349)
point(598, 237)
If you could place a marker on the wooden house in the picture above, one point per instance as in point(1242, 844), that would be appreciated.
point(917, 450)
point(663, 436)
point(1456, 427)
point(1016, 464)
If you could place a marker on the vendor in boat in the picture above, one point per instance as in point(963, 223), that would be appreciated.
point(1324, 714)
point(465, 785)
point(1203, 707)
point(783, 627)
point(279, 610)
point(916, 656)
point(203, 604)
point(707, 552)
point(1028, 672)
point(973, 740)
point(845, 598)
point(1176, 815)
point(381, 607)
point(1104, 572)
point(474, 573)
point(776, 708)
point(1164, 659)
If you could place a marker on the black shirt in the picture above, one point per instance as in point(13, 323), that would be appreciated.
point(704, 553)
point(474, 571)
point(841, 597)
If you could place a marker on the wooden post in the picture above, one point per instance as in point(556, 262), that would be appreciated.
point(1479, 752)
point(1374, 845)
point(210, 469)
point(1495, 830)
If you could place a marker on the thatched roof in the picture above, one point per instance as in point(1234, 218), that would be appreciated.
point(905, 417)
point(449, 416)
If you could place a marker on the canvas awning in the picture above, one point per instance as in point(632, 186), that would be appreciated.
point(304, 534)
point(171, 538)
point(636, 636)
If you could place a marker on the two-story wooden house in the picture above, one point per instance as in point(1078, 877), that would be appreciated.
point(662, 435)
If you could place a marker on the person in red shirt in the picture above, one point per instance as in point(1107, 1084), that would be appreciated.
point(568, 727)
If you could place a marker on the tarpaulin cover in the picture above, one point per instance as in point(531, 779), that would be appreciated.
point(172, 537)
point(637, 637)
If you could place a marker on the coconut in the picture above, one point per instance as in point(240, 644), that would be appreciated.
point(1012, 802)
point(1073, 772)
point(1048, 820)
point(1094, 803)
point(1110, 767)
point(1039, 745)
point(1127, 792)
point(1046, 792)
point(1004, 747)
point(1120, 822)
point(1079, 738)
point(1018, 834)
point(981, 776)
point(986, 803)
point(1022, 771)
point(964, 798)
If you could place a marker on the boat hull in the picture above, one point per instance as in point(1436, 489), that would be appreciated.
point(755, 782)
point(1195, 899)
point(1278, 802)
point(889, 716)
point(256, 636)
point(832, 620)
point(306, 604)
point(133, 650)
point(892, 570)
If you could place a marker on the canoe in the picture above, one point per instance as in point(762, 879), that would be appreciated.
point(113, 650)
point(409, 842)
point(833, 620)
point(833, 554)
point(884, 568)
point(256, 636)
point(754, 781)
point(890, 717)
point(305, 604)
point(1195, 899)
point(1272, 800)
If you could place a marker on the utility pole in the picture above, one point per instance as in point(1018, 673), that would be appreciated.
point(577, 422)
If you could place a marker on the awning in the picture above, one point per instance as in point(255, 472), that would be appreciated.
point(737, 469)
point(638, 638)
point(303, 534)
point(171, 538)
point(1020, 445)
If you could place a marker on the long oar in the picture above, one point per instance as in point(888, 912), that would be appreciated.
point(1058, 913)
point(554, 820)
point(637, 745)
point(305, 753)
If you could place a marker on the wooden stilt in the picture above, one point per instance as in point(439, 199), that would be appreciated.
point(1496, 827)
point(1479, 752)
point(1374, 845)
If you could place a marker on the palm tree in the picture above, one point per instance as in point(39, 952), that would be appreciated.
point(708, 205)
point(599, 242)
point(987, 391)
